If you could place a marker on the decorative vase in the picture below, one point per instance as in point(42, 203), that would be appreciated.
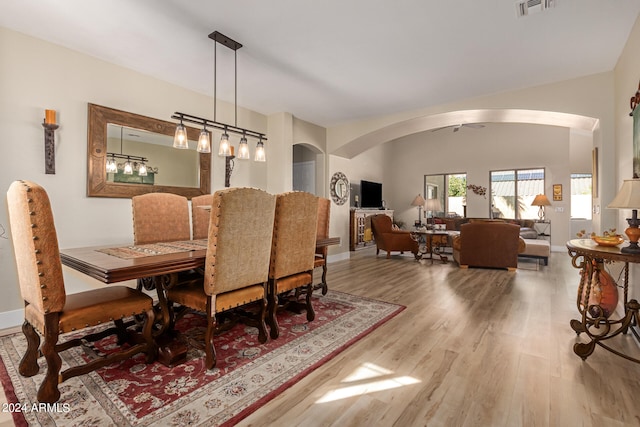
point(604, 291)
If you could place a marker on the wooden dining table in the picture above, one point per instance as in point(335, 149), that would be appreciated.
point(144, 262)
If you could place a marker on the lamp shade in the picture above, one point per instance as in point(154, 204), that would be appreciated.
point(418, 201)
point(433, 205)
point(629, 195)
point(541, 200)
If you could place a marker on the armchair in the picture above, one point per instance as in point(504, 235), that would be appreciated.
point(389, 239)
point(488, 244)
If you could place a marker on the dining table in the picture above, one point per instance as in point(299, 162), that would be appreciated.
point(155, 264)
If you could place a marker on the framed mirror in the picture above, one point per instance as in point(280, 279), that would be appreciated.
point(120, 133)
point(339, 188)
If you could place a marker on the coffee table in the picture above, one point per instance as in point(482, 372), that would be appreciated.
point(431, 242)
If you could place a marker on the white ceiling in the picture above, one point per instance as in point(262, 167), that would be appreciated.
point(333, 61)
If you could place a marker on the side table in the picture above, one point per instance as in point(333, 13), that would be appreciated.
point(431, 242)
point(587, 256)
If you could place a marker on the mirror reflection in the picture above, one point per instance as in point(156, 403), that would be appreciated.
point(136, 156)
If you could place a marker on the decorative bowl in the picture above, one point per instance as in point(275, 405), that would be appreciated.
point(608, 240)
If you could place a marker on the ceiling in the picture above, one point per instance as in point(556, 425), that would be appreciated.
point(335, 61)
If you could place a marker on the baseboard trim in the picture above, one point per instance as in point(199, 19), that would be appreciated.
point(11, 319)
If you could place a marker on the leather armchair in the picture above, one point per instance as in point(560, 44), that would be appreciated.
point(389, 239)
point(488, 244)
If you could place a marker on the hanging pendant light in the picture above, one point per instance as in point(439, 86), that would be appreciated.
point(142, 169)
point(181, 140)
point(204, 143)
point(260, 154)
point(128, 169)
point(224, 148)
point(243, 149)
point(112, 167)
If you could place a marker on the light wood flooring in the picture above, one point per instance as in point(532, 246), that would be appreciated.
point(474, 347)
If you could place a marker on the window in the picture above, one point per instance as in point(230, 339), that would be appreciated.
point(450, 190)
point(581, 201)
point(512, 192)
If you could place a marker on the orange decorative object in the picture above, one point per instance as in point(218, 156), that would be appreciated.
point(608, 240)
point(50, 117)
point(604, 292)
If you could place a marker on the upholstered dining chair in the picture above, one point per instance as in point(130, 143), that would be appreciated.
point(292, 254)
point(50, 312)
point(322, 231)
point(160, 217)
point(200, 217)
point(237, 262)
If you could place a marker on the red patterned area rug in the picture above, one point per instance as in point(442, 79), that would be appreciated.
point(247, 375)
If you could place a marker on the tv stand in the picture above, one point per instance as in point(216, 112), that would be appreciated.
point(360, 234)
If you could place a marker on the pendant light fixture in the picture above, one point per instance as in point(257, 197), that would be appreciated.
point(224, 147)
point(132, 163)
point(204, 142)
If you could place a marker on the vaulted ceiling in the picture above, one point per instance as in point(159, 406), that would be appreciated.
point(334, 61)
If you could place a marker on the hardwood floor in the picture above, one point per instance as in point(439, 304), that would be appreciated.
point(474, 347)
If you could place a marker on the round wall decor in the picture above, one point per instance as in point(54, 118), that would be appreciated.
point(339, 188)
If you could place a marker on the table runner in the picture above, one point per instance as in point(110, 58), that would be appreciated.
point(151, 249)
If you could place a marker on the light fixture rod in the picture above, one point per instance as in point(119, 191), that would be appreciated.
point(127, 156)
point(217, 125)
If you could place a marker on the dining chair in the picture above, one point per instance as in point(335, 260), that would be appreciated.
point(237, 263)
point(160, 217)
point(322, 231)
point(199, 216)
point(50, 312)
point(292, 254)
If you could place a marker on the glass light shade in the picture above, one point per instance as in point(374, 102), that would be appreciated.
point(204, 143)
point(142, 170)
point(112, 167)
point(243, 149)
point(128, 169)
point(181, 140)
point(224, 148)
point(260, 154)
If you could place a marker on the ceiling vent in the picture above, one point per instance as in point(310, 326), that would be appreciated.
point(529, 7)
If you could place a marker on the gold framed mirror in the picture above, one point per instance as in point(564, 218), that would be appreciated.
point(102, 184)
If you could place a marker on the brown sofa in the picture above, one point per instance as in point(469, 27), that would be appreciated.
point(488, 244)
point(389, 239)
point(527, 230)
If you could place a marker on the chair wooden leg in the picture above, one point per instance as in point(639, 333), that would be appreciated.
point(121, 331)
point(262, 326)
point(48, 391)
point(29, 363)
point(325, 288)
point(209, 349)
point(388, 254)
point(272, 308)
point(310, 313)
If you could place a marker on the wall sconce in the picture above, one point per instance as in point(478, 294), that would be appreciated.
point(49, 141)
point(228, 167)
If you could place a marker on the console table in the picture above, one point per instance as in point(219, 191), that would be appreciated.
point(586, 255)
point(431, 242)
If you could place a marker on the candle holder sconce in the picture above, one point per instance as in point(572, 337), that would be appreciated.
point(229, 163)
point(50, 126)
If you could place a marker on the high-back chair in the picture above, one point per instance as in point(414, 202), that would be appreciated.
point(322, 231)
point(49, 311)
point(199, 216)
point(160, 217)
point(292, 253)
point(237, 262)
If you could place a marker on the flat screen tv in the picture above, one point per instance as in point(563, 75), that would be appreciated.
point(370, 194)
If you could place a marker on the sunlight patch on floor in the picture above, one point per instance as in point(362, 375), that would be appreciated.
point(368, 378)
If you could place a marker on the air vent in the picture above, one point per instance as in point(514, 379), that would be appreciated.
point(529, 7)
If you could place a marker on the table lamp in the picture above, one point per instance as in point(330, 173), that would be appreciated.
point(419, 202)
point(541, 200)
point(629, 198)
point(433, 205)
